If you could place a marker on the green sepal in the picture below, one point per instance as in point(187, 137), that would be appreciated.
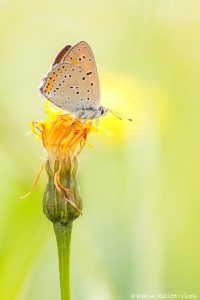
point(57, 204)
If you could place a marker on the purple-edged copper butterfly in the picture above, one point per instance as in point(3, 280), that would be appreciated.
point(73, 83)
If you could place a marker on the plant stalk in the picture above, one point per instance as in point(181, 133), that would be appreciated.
point(63, 238)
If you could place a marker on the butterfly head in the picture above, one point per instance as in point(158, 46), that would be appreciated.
point(103, 111)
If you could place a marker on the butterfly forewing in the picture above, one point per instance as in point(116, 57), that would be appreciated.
point(81, 54)
point(68, 87)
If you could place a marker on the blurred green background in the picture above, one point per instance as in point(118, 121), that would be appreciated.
point(140, 231)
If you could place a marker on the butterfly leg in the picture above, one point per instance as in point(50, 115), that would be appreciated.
point(97, 123)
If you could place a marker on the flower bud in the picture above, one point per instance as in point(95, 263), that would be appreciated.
point(62, 200)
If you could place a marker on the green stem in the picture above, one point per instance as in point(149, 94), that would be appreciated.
point(63, 237)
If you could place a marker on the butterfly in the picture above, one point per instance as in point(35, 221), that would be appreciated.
point(73, 83)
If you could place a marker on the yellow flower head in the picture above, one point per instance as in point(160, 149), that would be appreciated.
point(63, 138)
point(61, 134)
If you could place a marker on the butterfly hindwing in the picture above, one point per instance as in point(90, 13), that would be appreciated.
point(68, 87)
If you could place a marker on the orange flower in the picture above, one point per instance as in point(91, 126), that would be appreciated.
point(61, 134)
point(63, 138)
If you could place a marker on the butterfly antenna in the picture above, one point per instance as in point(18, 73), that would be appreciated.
point(119, 116)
